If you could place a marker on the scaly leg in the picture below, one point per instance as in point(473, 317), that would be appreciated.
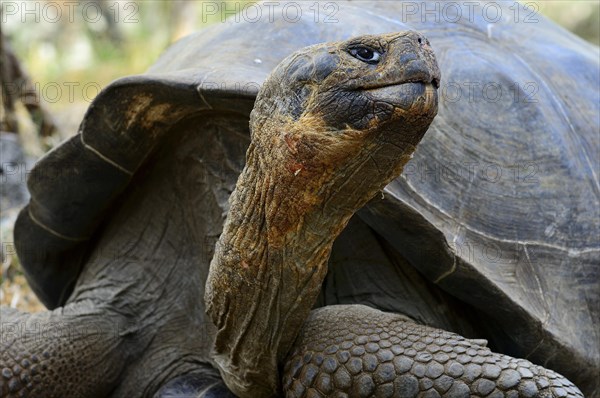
point(75, 351)
point(357, 351)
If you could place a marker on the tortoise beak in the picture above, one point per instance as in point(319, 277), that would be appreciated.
point(407, 96)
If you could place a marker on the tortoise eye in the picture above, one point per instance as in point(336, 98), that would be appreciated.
point(365, 54)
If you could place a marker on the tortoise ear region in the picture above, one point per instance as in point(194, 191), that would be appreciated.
point(313, 67)
point(302, 75)
point(296, 80)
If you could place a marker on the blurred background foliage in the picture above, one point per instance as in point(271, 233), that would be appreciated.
point(69, 59)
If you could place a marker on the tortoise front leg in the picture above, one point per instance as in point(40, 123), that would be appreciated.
point(75, 351)
point(357, 351)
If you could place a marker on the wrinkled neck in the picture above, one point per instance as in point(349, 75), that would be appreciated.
point(267, 271)
point(276, 219)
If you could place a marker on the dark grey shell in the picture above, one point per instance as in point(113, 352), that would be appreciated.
point(499, 207)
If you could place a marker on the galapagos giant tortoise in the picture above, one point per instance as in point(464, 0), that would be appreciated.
point(491, 232)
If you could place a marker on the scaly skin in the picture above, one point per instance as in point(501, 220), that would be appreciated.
point(75, 351)
point(357, 351)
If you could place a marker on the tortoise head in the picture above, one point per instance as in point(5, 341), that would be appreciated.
point(332, 125)
point(356, 84)
point(347, 113)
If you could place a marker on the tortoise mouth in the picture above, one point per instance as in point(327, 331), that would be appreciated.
point(406, 95)
point(433, 80)
point(419, 77)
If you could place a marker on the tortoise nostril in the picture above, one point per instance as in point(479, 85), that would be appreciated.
point(420, 40)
